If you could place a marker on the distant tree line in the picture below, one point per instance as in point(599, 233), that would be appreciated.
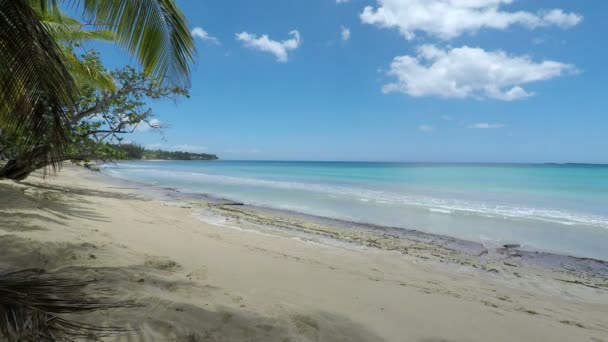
point(136, 152)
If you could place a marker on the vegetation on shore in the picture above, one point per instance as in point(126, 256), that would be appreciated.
point(100, 120)
point(57, 105)
point(138, 152)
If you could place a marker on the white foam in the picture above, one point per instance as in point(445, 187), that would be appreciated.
point(376, 197)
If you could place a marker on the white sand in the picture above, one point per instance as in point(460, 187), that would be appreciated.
point(201, 282)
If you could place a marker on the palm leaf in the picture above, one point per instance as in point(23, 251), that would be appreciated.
point(71, 31)
point(86, 75)
point(31, 302)
point(36, 88)
point(153, 30)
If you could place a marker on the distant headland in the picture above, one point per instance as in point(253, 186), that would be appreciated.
point(138, 152)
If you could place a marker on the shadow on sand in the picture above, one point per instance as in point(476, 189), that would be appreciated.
point(158, 317)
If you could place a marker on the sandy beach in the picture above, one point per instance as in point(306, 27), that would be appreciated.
point(210, 272)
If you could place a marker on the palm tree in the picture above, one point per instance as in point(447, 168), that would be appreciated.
point(38, 89)
point(37, 86)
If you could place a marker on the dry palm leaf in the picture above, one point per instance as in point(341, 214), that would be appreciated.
point(32, 302)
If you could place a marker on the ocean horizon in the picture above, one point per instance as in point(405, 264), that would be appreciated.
point(549, 207)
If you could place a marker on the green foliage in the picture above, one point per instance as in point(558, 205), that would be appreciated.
point(36, 88)
point(40, 75)
point(136, 152)
point(177, 155)
point(130, 151)
point(101, 118)
point(153, 30)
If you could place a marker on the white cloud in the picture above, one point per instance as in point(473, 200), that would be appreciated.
point(469, 72)
point(154, 123)
point(264, 43)
point(189, 148)
point(200, 33)
point(146, 126)
point(345, 33)
point(342, 1)
point(181, 147)
point(448, 19)
point(485, 125)
point(426, 128)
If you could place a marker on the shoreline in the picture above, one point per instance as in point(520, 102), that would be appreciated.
point(242, 276)
point(390, 237)
point(532, 225)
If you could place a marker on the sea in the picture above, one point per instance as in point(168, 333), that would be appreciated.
point(557, 208)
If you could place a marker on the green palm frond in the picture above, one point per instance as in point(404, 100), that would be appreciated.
point(87, 75)
point(37, 79)
point(71, 31)
point(153, 30)
point(36, 88)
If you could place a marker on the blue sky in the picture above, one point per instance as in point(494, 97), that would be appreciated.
point(412, 80)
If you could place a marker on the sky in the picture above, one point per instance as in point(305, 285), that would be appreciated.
point(391, 80)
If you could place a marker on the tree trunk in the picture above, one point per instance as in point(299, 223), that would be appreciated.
point(20, 167)
point(17, 169)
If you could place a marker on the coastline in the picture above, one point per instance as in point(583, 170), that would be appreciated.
point(245, 273)
point(223, 211)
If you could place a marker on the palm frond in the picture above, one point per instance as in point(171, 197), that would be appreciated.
point(31, 302)
point(71, 31)
point(36, 88)
point(88, 75)
point(153, 30)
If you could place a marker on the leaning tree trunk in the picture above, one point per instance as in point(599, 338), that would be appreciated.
point(20, 167)
point(17, 169)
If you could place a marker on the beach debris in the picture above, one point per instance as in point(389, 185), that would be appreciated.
point(511, 245)
point(578, 282)
point(222, 204)
point(528, 311)
point(577, 324)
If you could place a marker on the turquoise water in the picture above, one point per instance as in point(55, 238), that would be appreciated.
point(555, 208)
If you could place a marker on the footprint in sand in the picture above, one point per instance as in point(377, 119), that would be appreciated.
point(161, 263)
point(306, 326)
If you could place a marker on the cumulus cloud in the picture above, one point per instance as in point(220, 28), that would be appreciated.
point(264, 43)
point(426, 128)
point(345, 33)
point(200, 33)
point(469, 72)
point(151, 124)
point(447, 19)
point(181, 147)
point(485, 125)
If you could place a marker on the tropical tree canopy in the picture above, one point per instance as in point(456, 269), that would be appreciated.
point(39, 74)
